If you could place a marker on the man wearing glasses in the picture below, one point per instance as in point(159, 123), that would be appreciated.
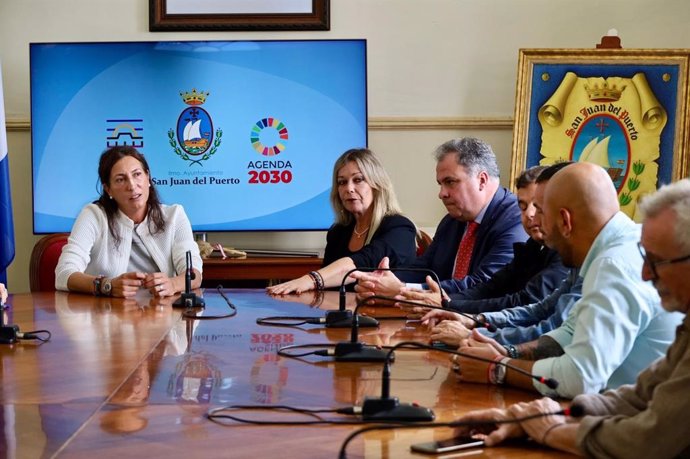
point(617, 328)
point(653, 264)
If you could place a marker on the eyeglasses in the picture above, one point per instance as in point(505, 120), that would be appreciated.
point(654, 264)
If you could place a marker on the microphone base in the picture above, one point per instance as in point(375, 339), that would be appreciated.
point(343, 319)
point(390, 409)
point(189, 300)
point(359, 352)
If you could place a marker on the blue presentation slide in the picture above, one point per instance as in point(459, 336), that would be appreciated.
point(242, 134)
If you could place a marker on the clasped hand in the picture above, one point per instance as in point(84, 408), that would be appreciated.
point(126, 285)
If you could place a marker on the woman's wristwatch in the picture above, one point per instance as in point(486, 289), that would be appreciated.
point(97, 285)
point(102, 286)
point(107, 286)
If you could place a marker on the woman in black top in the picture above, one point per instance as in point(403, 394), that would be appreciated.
point(368, 224)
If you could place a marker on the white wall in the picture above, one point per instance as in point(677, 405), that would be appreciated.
point(433, 61)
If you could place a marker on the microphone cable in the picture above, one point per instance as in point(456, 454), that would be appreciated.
point(190, 313)
point(283, 351)
point(218, 415)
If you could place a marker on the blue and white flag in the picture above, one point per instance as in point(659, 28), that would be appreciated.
point(6, 226)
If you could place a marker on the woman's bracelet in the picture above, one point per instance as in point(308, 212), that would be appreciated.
point(318, 280)
point(548, 431)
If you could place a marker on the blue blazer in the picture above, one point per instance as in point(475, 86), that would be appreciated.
point(493, 248)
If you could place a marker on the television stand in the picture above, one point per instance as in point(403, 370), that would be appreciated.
point(270, 269)
point(252, 253)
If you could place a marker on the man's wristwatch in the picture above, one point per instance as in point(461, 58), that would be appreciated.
point(107, 287)
point(512, 351)
point(500, 371)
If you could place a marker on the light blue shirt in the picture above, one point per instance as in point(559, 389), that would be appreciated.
point(521, 324)
point(618, 326)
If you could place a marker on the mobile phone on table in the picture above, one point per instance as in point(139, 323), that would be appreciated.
point(447, 446)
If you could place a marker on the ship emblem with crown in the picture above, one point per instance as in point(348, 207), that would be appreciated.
point(193, 139)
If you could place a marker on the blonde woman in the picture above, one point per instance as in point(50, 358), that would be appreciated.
point(368, 226)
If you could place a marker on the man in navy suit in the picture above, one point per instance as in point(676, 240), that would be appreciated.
point(480, 211)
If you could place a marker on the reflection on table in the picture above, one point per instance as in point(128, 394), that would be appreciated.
point(131, 377)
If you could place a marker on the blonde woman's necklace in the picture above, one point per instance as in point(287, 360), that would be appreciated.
point(359, 234)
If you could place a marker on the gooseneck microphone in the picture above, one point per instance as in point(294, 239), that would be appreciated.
point(189, 299)
point(342, 317)
point(387, 408)
point(356, 351)
point(353, 350)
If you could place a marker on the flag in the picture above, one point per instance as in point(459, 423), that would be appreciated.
point(6, 226)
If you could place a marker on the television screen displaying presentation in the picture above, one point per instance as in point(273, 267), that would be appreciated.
point(243, 134)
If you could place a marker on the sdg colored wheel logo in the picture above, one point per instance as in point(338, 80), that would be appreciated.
point(269, 136)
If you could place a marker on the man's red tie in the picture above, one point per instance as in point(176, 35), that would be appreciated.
point(462, 259)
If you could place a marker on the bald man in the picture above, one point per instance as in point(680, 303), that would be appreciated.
point(618, 326)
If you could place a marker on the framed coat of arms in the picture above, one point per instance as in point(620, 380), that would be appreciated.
point(625, 110)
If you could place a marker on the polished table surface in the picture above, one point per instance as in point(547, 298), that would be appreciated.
point(131, 378)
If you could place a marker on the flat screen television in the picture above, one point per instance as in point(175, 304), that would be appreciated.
point(243, 134)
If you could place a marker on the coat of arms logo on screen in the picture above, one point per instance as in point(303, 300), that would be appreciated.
point(193, 138)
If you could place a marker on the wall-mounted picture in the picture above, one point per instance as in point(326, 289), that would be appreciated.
point(625, 110)
point(200, 15)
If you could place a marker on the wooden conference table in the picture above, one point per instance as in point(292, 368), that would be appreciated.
point(130, 378)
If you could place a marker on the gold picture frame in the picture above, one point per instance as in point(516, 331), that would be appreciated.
point(219, 15)
point(626, 110)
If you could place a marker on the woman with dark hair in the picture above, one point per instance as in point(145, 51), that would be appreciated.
point(127, 239)
point(368, 227)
